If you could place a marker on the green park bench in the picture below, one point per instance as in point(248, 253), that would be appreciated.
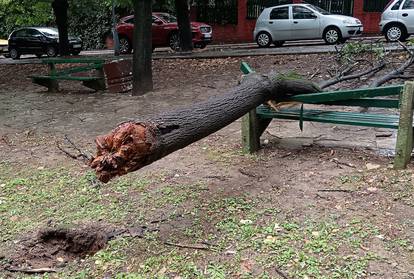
point(81, 72)
point(257, 120)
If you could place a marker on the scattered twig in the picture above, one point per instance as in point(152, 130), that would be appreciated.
point(396, 73)
point(404, 46)
point(315, 74)
point(66, 152)
point(335, 190)
point(5, 139)
point(280, 273)
point(341, 77)
point(383, 135)
point(335, 160)
point(81, 154)
point(244, 172)
point(189, 246)
point(218, 177)
point(286, 155)
point(159, 221)
point(31, 271)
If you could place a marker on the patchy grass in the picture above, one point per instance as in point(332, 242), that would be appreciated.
point(248, 235)
point(31, 198)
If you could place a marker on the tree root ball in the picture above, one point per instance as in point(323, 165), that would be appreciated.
point(124, 150)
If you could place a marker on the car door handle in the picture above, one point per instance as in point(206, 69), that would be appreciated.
point(295, 22)
point(404, 14)
point(270, 22)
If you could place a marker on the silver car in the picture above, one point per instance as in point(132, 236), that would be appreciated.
point(397, 20)
point(303, 21)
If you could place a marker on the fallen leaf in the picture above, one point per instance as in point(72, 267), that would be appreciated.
point(372, 166)
point(246, 222)
point(246, 266)
point(372, 189)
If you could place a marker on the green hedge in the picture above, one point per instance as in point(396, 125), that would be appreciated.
point(89, 19)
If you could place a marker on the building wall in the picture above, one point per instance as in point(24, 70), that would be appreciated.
point(369, 20)
point(243, 31)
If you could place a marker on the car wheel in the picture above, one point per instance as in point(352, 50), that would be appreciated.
point(263, 39)
point(76, 52)
point(51, 51)
point(201, 45)
point(332, 35)
point(14, 54)
point(174, 41)
point(278, 43)
point(125, 46)
point(395, 33)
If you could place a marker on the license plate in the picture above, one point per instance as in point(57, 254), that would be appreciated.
point(77, 46)
point(207, 35)
point(361, 29)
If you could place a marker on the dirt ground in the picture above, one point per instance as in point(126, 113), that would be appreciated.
point(322, 203)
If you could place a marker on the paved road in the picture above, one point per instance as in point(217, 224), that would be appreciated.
point(213, 51)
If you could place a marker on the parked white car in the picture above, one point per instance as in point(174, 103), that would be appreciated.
point(303, 21)
point(3, 46)
point(397, 20)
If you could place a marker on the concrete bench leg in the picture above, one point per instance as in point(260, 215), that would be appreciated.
point(252, 128)
point(404, 144)
point(98, 84)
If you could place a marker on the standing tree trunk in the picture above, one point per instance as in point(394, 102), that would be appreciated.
point(60, 9)
point(135, 144)
point(184, 25)
point(142, 59)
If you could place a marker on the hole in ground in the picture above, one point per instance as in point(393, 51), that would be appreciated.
point(55, 247)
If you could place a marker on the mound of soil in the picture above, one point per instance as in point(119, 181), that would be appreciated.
point(55, 247)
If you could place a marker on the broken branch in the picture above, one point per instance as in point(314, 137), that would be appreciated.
point(135, 144)
point(31, 271)
point(189, 246)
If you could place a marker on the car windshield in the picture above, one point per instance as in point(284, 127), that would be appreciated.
point(167, 17)
point(318, 9)
point(50, 32)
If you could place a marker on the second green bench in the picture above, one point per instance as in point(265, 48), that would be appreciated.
point(256, 121)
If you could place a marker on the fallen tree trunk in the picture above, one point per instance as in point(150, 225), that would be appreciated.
point(135, 144)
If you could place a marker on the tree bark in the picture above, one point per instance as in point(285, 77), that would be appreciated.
point(60, 9)
point(184, 25)
point(142, 59)
point(135, 144)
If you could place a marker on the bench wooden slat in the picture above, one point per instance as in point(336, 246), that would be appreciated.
point(334, 117)
point(73, 60)
point(366, 102)
point(316, 98)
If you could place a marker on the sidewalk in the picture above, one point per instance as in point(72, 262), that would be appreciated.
point(220, 51)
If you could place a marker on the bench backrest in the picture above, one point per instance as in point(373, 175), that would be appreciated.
point(355, 97)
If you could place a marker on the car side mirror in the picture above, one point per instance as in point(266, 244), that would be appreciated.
point(314, 16)
point(158, 22)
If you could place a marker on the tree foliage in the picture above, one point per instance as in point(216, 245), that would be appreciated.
point(18, 13)
point(89, 19)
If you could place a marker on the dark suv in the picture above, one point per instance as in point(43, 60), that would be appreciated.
point(39, 41)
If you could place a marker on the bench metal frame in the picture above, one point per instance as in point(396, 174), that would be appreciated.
point(256, 121)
